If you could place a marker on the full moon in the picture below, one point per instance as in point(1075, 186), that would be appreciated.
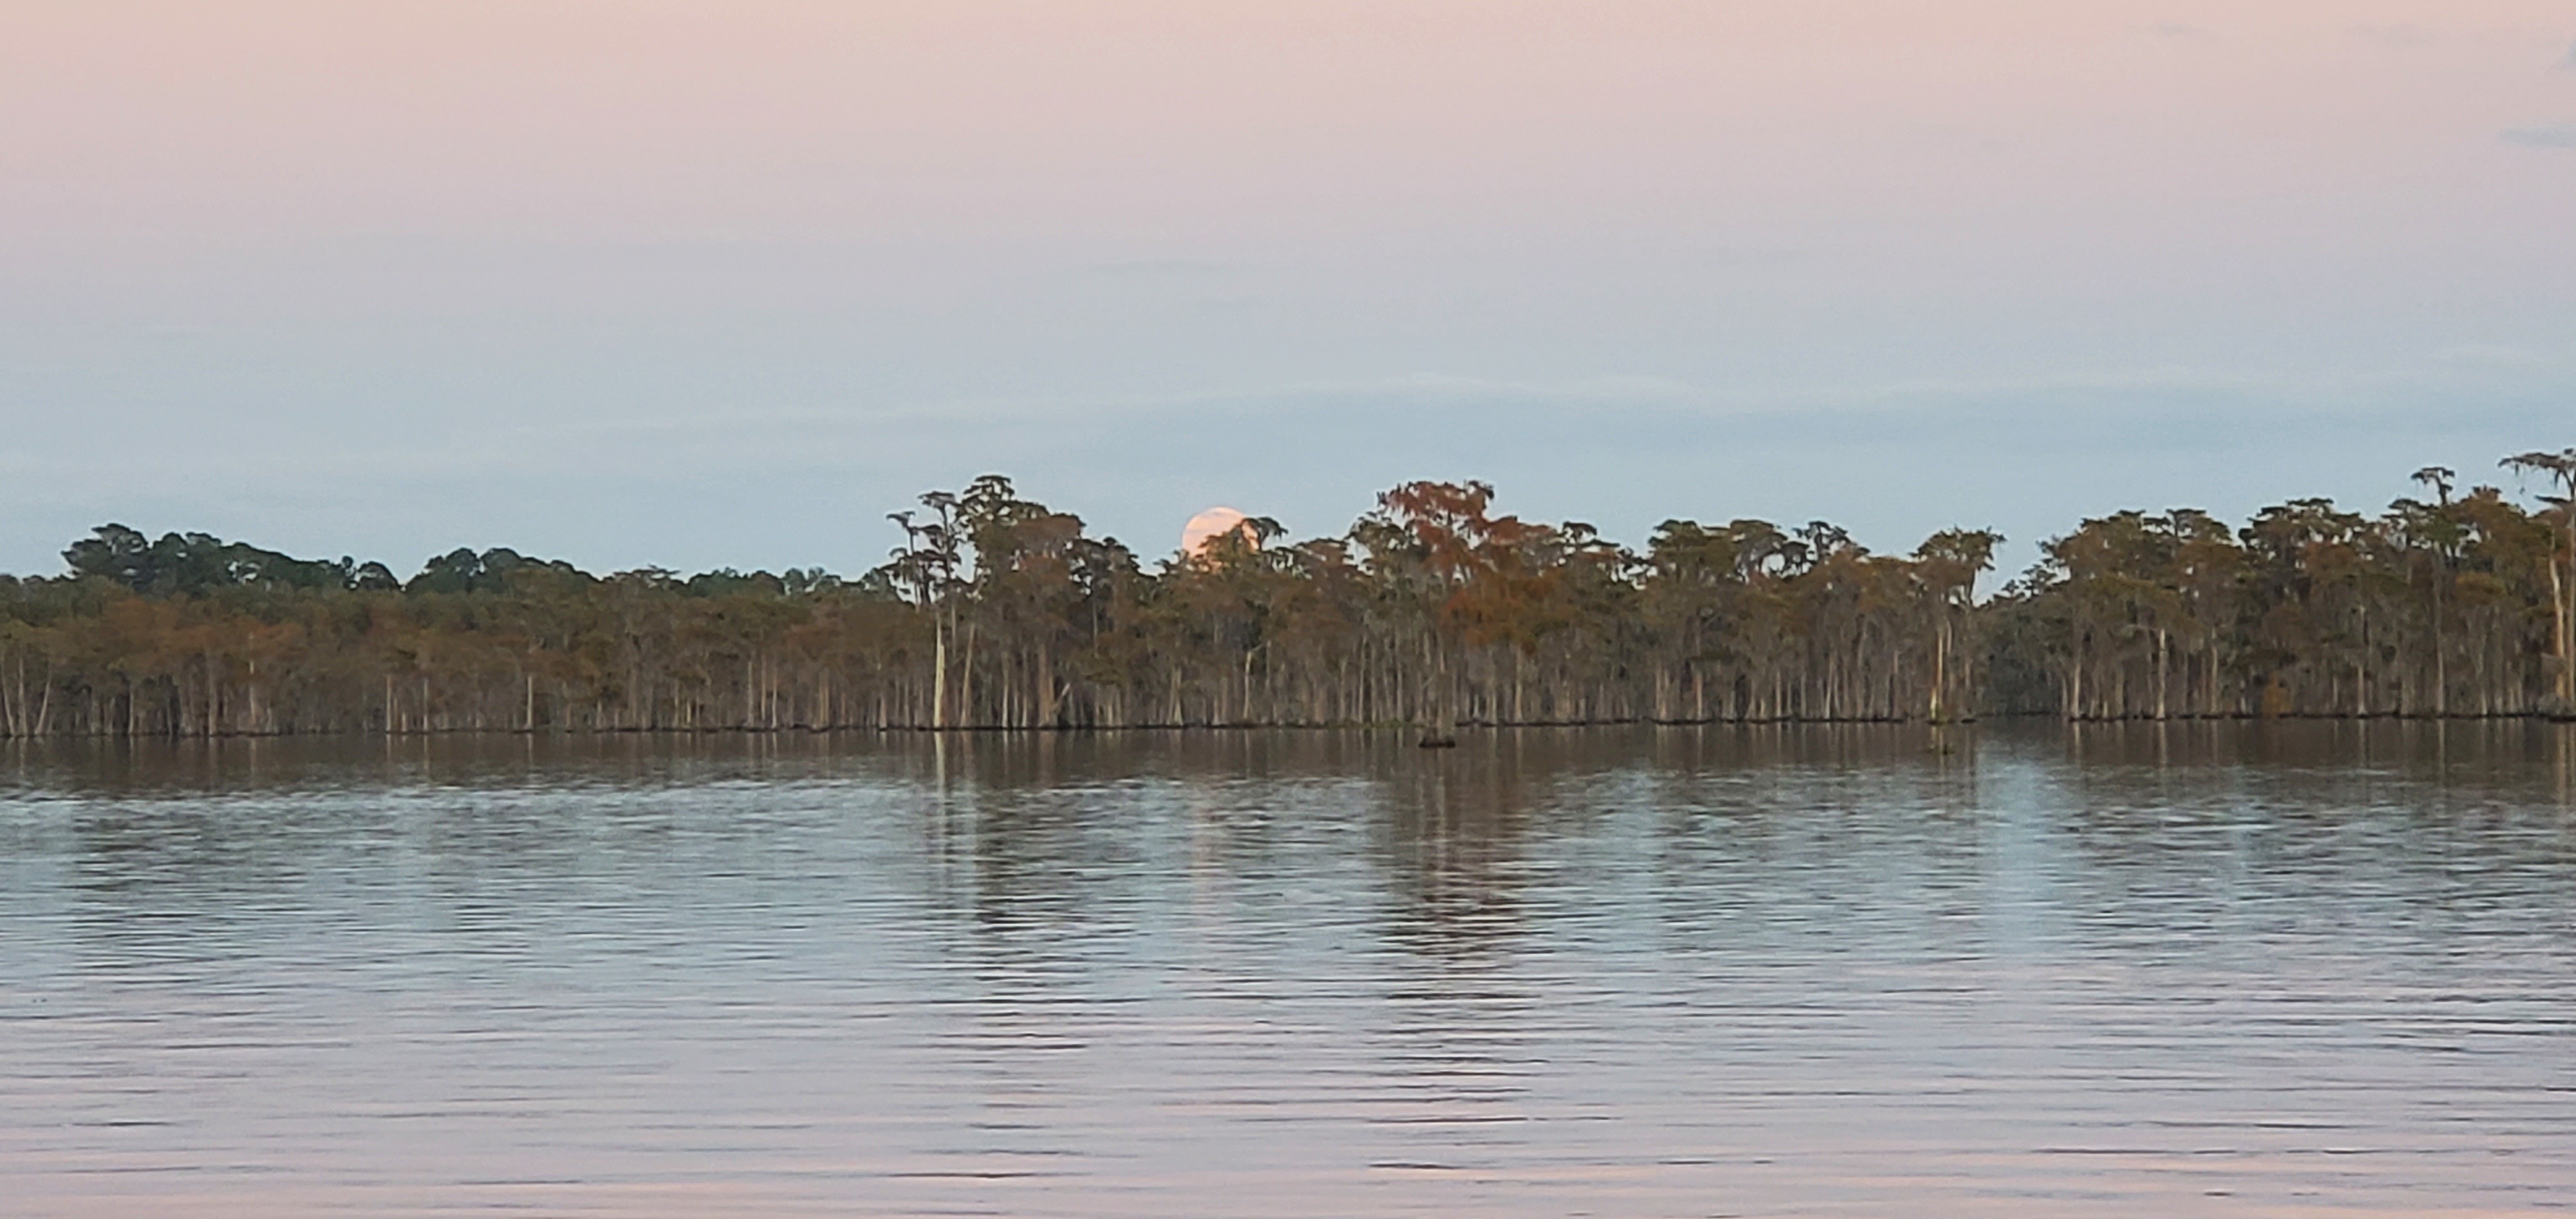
point(1209, 524)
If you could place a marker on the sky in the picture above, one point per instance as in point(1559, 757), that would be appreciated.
point(641, 283)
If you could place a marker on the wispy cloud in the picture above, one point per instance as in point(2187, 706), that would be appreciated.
point(1420, 389)
point(2556, 135)
point(1168, 269)
point(2493, 355)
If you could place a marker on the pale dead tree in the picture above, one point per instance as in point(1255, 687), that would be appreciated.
point(2443, 534)
point(2559, 469)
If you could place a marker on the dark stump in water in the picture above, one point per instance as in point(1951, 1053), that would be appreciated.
point(1439, 740)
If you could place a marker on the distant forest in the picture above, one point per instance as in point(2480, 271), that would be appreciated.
point(1431, 612)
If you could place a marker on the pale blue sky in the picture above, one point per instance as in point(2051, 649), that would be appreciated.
point(695, 284)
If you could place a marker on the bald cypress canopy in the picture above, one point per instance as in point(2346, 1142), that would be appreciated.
point(1433, 609)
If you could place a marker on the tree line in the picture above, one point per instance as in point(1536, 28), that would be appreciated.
point(1432, 611)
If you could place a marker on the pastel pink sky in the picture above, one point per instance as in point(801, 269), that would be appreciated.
point(860, 249)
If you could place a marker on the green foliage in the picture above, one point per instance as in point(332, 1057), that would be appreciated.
point(196, 563)
point(1433, 609)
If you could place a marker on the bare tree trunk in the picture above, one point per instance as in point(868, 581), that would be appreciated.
point(938, 673)
point(966, 681)
point(2441, 650)
point(2164, 651)
point(2565, 685)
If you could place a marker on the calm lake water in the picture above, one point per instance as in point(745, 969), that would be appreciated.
point(2017, 970)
